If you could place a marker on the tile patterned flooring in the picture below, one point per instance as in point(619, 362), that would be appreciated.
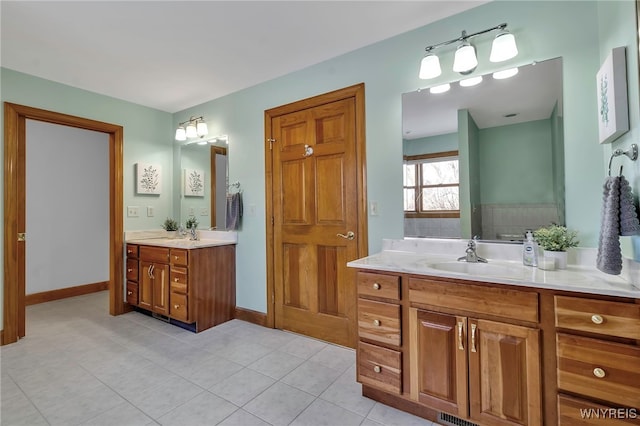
point(80, 366)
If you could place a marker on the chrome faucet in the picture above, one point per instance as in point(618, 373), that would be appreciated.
point(182, 232)
point(471, 256)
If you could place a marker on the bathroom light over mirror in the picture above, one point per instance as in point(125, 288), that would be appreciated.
point(194, 127)
point(509, 139)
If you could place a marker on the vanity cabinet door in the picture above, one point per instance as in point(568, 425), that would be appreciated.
point(504, 373)
point(439, 352)
point(160, 280)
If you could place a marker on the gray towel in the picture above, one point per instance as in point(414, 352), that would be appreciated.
point(609, 258)
point(234, 210)
point(629, 224)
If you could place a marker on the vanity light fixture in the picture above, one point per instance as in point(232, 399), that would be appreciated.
point(501, 75)
point(465, 60)
point(195, 127)
point(440, 89)
point(471, 81)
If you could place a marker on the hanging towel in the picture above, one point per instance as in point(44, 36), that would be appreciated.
point(609, 258)
point(629, 223)
point(234, 210)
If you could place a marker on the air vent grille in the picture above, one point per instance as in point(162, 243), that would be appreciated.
point(449, 420)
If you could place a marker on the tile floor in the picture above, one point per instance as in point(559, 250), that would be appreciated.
point(80, 366)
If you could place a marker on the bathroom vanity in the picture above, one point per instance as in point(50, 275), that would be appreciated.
point(188, 283)
point(497, 343)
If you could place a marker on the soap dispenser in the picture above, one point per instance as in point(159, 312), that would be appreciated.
point(529, 250)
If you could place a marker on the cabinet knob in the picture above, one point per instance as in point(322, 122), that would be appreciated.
point(129, 251)
point(129, 293)
point(599, 373)
point(129, 270)
point(176, 306)
point(175, 257)
point(377, 368)
point(376, 286)
point(176, 279)
point(597, 319)
point(376, 323)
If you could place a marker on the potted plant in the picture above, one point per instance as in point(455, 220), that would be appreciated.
point(171, 226)
point(555, 240)
point(192, 222)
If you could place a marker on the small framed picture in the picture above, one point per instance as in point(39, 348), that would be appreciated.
point(613, 107)
point(193, 183)
point(148, 179)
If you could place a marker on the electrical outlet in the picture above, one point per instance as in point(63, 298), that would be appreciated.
point(133, 211)
point(191, 211)
point(150, 211)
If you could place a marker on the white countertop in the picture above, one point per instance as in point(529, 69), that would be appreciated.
point(436, 261)
point(159, 238)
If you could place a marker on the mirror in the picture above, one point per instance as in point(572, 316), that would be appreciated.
point(505, 136)
point(203, 179)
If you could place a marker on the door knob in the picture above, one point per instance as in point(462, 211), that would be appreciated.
point(350, 235)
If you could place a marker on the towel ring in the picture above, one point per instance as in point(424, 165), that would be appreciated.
point(632, 153)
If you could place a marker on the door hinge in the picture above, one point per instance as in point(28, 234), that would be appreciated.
point(271, 141)
point(22, 236)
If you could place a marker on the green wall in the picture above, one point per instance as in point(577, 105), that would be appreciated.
point(430, 144)
point(543, 30)
point(516, 164)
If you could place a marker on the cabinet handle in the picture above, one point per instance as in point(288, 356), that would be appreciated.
point(176, 307)
point(176, 279)
point(175, 257)
point(129, 293)
point(129, 251)
point(376, 286)
point(150, 271)
point(473, 337)
point(597, 319)
point(377, 369)
point(376, 323)
point(599, 373)
point(129, 270)
point(460, 330)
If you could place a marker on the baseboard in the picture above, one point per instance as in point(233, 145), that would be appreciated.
point(63, 293)
point(254, 317)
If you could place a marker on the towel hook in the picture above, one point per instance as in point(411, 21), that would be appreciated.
point(632, 153)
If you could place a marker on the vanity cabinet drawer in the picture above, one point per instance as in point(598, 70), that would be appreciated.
point(599, 369)
point(179, 257)
point(178, 307)
point(132, 269)
point(379, 285)
point(380, 367)
point(132, 251)
point(154, 254)
point(479, 299)
point(598, 316)
point(379, 321)
point(578, 412)
point(179, 279)
point(132, 293)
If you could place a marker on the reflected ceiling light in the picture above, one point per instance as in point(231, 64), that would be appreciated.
point(472, 81)
point(501, 75)
point(430, 67)
point(195, 127)
point(440, 89)
point(466, 61)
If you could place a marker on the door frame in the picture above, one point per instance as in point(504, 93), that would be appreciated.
point(15, 117)
point(356, 92)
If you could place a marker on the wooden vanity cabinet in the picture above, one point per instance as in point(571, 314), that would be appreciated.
point(132, 275)
point(193, 286)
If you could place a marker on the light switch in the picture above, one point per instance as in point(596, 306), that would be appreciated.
point(191, 211)
point(150, 211)
point(204, 211)
point(373, 208)
point(133, 211)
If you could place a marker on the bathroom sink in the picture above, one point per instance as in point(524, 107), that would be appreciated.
point(485, 269)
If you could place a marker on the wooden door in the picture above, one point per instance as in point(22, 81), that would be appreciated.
point(504, 374)
point(440, 354)
point(317, 216)
point(160, 283)
point(145, 289)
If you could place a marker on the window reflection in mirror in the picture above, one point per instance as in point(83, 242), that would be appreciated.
point(509, 139)
point(207, 161)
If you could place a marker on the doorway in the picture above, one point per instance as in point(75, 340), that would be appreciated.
point(316, 213)
point(14, 208)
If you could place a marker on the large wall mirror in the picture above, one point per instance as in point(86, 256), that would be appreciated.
point(203, 177)
point(485, 160)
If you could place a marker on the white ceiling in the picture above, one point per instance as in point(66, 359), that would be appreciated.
point(171, 55)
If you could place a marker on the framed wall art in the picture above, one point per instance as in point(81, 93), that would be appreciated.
point(148, 179)
point(613, 108)
point(193, 183)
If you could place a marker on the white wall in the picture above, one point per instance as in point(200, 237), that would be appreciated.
point(67, 207)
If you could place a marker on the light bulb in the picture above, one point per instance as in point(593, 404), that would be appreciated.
point(503, 47)
point(440, 89)
point(191, 131)
point(468, 82)
point(430, 67)
point(202, 129)
point(501, 75)
point(181, 135)
point(465, 59)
